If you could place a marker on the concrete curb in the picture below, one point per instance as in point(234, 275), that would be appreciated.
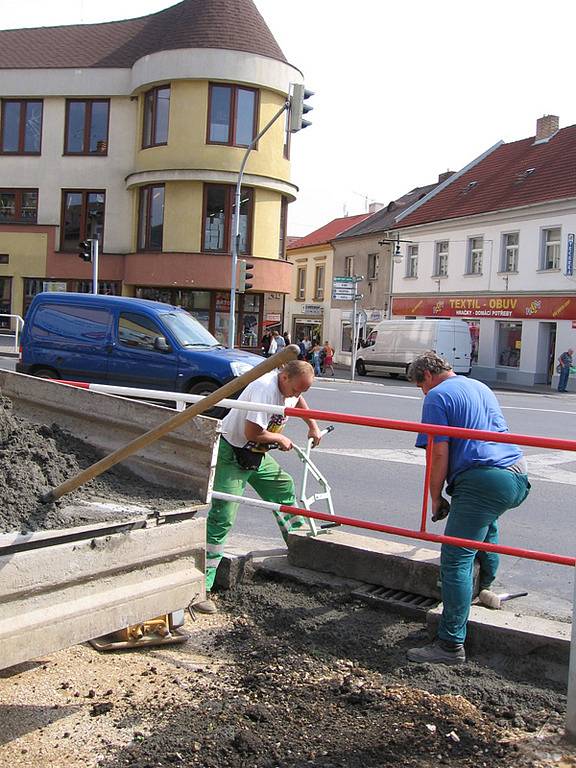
point(337, 560)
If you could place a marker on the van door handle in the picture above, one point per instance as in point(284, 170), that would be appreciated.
point(109, 347)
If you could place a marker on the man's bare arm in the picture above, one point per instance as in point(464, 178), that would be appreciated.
point(440, 457)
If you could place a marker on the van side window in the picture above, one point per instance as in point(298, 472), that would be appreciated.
point(371, 340)
point(72, 322)
point(137, 331)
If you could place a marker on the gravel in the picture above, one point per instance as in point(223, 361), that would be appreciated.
point(35, 458)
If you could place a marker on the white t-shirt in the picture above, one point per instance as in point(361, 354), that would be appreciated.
point(263, 390)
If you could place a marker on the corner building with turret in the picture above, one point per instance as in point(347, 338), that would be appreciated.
point(134, 131)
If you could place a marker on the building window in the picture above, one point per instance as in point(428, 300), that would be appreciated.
point(412, 261)
point(105, 287)
point(218, 218)
point(151, 218)
point(301, 284)
point(21, 127)
point(475, 254)
point(550, 252)
point(86, 127)
point(82, 217)
point(509, 262)
point(441, 259)
point(5, 301)
point(319, 283)
point(156, 116)
point(232, 112)
point(373, 264)
point(18, 206)
point(283, 228)
point(509, 344)
point(349, 266)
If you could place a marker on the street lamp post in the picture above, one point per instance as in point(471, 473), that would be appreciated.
point(395, 258)
point(236, 224)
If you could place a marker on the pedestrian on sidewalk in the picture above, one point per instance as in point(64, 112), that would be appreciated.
point(484, 479)
point(244, 458)
point(564, 365)
point(280, 343)
point(316, 353)
point(328, 362)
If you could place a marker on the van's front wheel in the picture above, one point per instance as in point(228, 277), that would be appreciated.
point(360, 368)
point(206, 388)
point(46, 373)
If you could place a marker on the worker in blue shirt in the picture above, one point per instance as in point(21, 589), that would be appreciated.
point(484, 479)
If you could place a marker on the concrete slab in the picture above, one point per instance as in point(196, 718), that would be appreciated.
point(512, 633)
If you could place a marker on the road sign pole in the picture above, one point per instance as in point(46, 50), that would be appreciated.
point(353, 356)
point(571, 702)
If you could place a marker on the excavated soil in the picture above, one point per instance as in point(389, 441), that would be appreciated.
point(288, 677)
point(35, 458)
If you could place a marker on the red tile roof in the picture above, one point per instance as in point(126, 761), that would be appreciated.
point(225, 24)
point(291, 241)
point(329, 231)
point(513, 175)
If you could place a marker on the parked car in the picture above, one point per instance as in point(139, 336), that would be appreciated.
point(393, 344)
point(125, 342)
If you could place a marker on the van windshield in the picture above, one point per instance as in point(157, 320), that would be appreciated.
point(188, 331)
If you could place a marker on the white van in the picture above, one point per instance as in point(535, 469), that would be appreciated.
point(393, 344)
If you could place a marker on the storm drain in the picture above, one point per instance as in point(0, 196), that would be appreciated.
point(406, 603)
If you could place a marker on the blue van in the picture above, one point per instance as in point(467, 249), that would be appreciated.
point(125, 342)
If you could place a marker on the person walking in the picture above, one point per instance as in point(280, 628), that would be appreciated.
point(564, 365)
point(273, 346)
point(266, 344)
point(328, 361)
point(280, 343)
point(244, 458)
point(316, 352)
point(484, 480)
point(286, 337)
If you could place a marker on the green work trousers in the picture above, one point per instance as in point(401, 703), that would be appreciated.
point(269, 481)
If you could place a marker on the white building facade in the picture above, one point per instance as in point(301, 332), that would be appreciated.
point(509, 274)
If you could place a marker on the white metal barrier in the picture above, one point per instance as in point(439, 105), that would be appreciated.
point(16, 325)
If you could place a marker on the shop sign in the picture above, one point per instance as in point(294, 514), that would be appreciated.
point(313, 309)
point(570, 255)
point(505, 306)
point(54, 286)
point(273, 317)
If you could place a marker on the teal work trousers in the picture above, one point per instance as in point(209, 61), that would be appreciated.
point(479, 496)
point(269, 481)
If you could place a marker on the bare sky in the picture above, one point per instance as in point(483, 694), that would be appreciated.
point(404, 90)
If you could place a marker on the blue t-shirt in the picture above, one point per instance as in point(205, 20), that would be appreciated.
point(462, 402)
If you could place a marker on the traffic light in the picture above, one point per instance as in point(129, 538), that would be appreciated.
point(85, 250)
point(298, 107)
point(244, 275)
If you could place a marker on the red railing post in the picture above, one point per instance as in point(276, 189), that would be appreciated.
point(427, 473)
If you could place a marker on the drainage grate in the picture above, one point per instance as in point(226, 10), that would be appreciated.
point(406, 603)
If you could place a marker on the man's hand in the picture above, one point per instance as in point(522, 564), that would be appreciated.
point(314, 435)
point(284, 443)
point(440, 509)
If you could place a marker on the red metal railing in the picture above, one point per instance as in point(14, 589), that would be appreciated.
point(433, 430)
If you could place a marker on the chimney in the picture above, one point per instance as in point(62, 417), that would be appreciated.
point(546, 126)
point(375, 207)
point(443, 176)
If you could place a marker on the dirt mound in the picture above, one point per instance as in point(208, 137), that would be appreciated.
point(35, 458)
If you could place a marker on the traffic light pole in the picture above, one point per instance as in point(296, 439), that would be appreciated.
point(236, 224)
point(94, 243)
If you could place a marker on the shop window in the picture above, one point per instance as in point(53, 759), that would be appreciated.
point(550, 249)
point(218, 218)
point(441, 259)
point(197, 303)
point(250, 321)
point(82, 217)
point(232, 115)
point(509, 344)
point(301, 284)
point(412, 261)
point(5, 300)
point(18, 206)
point(509, 261)
point(105, 287)
point(319, 283)
point(475, 256)
point(346, 338)
point(86, 127)
point(21, 127)
point(156, 117)
point(474, 328)
point(151, 218)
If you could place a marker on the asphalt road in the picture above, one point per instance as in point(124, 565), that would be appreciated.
point(378, 475)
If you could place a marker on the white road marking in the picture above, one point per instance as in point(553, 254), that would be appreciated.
point(326, 389)
point(384, 394)
point(541, 466)
point(541, 410)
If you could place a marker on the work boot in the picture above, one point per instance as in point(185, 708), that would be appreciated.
point(207, 606)
point(438, 652)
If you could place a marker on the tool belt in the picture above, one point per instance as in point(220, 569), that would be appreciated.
point(245, 458)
